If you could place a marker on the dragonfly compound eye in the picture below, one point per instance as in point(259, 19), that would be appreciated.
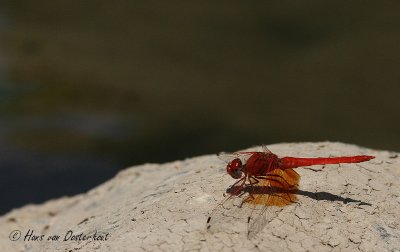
point(234, 168)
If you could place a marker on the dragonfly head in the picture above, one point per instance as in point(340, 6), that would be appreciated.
point(234, 168)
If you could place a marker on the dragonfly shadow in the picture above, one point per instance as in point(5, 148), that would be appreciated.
point(330, 197)
point(277, 191)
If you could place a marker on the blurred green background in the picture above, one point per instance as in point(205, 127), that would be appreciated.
point(91, 87)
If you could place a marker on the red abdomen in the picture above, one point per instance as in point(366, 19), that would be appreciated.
point(293, 162)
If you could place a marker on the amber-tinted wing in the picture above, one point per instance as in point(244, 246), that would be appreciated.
point(255, 205)
point(269, 195)
point(277, 188)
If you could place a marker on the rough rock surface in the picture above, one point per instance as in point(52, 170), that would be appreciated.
point(164, 207)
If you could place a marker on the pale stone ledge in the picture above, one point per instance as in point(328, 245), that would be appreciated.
point(164, 207)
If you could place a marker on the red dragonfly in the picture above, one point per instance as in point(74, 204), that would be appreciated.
point(266, 181)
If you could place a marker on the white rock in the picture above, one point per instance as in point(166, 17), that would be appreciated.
point(165, 207)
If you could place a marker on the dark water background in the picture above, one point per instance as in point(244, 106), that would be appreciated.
point(88, 88)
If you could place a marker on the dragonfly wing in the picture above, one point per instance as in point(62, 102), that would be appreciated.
point(250, 208)
point(269, 196)
point(228, 157)
point(278, 188)
point(242, 155)
point(265, 149)
point(263, 211)
point(230, 216)
point(260, 217)
point(284, 184)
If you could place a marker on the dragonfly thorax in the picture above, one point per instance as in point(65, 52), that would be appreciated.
point(260, 163)
point(234, 168)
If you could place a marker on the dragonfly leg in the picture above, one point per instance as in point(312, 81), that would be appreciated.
point(243, 180)
point(252, 182)
point(237, 189)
